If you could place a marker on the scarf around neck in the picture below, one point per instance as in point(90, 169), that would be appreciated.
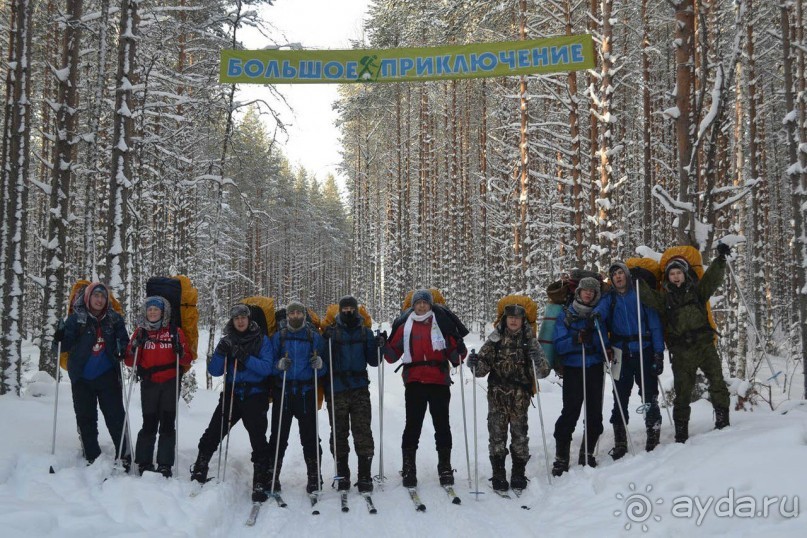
point(438, 341)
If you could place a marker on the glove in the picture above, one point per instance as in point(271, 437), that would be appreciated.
point(609, 354)
point(461, 349)
point(381, 339)
point(657, 367)
point(723, 249)
point(315, 361)
point(58, 335)
point(241, 363)
point(224, 347)
point(177, 345)
point(328, 333)
point(584, 336)
point(139, 338)
point(559, 370)
point(283, 364)
point(472, 361)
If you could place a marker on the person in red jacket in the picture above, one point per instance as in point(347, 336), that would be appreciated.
point(427, 354)
point(159, 345)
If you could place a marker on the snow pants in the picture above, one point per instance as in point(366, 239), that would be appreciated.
point(252, 410)
point(419, 396)
point(631, 373)
point(299, 403)
point(573, 403)
point(685, 364)
point(90, 394)
point(508, 409)
point(159, 403)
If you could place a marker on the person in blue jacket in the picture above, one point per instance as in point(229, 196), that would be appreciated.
point(351, 347)
point(95, 339)
point(243, 357)
point(575, 337)
point(623, 332)
point(296, 352)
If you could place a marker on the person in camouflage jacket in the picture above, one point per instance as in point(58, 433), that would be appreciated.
point(508, 358)
point(690, 336)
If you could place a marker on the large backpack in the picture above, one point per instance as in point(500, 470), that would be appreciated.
point(531, 310)
point(76, 302)
point(262, 312)
point(183, 297)
point(562, 291)
point(646, 269)
point(437, 298)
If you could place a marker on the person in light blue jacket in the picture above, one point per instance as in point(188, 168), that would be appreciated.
point(623, 329)
point(296, 352)
point(576, 337)
point(243, 356)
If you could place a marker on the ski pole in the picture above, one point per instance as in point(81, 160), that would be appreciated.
point(279, 428)
point(333, 410)
point(380, 478)
point(616, 394)
point(176, 424)
point(229, 418)
point(585, 409)
point(664, 395)
point(221, 428)
point(56, 403)
point(316, 428)
point(121, 449)
point(762, 342)
point(476, 449)
point(643, 408)
point(541, 418)
point(465, 426)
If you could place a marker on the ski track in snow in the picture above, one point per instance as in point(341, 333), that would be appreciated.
point(761, 454)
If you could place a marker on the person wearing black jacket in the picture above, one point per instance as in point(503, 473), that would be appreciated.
point(95, 338)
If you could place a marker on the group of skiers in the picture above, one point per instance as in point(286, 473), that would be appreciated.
point(599, 330)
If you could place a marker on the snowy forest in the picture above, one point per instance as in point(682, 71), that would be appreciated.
point(123, 157)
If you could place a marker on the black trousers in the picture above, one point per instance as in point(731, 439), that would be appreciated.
point(631, 373)
point(573, 403)
point(303, 407)
point(418, 396)
point(159, 403)
point(90, 394)
point(252, 410)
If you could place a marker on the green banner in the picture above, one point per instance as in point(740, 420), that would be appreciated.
point(550, 55)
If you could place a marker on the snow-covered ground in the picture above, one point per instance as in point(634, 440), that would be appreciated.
point(716, 484)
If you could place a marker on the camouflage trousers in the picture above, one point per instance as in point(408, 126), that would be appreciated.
point(508, 408)
point(685, 364)
point(353, 413)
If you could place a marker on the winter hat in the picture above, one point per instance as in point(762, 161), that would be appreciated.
point(239, 310)
point(155, 301)
point(676, 263)
point(348, 301)
point(422, 295)
point(295, 305)
point(588, 283)
point(515, 310)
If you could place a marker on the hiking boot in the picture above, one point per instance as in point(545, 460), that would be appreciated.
point(343, 472)
point(561, 464)
point(518, 478)
point(143, 467)
point(314, 480)
point(273, 477)
point(444, 467)
point(365, 482)
point(165, 470)
point(681, 431)
point(587, 457)
point(260, 481)
point(653, 437)
point(499, 475)
point(721, 417)
point(620, 441)
point(126, 462)
point(200, 469)
point(409, 470)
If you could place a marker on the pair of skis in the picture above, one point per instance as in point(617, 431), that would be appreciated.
point(256, 508)
point(420, 507)
point(343, 500)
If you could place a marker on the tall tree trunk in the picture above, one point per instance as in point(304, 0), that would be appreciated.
point(15, 164)
point(66, 138)
point(120, 173)
point(684, 61)
point(647, 184)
